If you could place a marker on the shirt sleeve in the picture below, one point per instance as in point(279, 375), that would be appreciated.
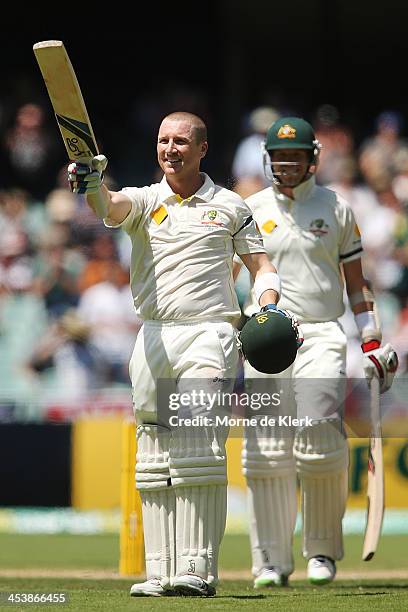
point(246, 236)
point(131, 222)
point(350, 247)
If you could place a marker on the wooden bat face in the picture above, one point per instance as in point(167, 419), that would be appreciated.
point(67, 101)
point(375, 488)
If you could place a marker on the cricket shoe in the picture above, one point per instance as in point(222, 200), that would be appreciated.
point(150, 588)
point(321, 570)
point(192, 586)
point(270, 577)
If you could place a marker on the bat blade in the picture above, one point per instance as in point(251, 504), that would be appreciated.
point(375, 485)
point(66, 99)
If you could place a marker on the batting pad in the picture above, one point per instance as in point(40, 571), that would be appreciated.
point(321, 453)
point(198, 470)
point(267, 451)
point(159, 512)
point(269, 467)
point(158, 501)
point(201, 513)
point(272, 508)
point(152, 458)
point(197, 456)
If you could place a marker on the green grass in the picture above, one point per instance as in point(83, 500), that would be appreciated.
point(101, 552)
point(59, 551)
point(391, 554)
point(233, 595)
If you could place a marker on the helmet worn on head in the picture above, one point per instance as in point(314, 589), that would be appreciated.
point(269, 342)
point(290, 133)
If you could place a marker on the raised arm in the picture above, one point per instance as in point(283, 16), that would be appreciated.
point(88, 180)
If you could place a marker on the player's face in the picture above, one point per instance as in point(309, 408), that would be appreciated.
point(178, 152)
point(292, 165)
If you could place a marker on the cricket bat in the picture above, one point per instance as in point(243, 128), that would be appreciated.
point(375, 485)
point(67, 101)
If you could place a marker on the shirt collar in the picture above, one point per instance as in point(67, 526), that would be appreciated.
point(205, 193)
point(301, 193)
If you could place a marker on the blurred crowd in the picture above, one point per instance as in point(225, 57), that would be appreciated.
point(67, 323)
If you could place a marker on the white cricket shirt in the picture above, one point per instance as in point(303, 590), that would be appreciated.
point(306, 239)
point(182, 250)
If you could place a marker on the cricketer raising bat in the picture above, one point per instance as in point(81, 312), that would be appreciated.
point(375, 485)
point(67, 101)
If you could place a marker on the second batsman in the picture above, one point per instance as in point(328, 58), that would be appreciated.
point(311, 236)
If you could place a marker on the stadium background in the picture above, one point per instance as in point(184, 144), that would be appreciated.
point(343, 62)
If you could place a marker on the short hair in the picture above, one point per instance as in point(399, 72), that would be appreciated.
point(198, 125)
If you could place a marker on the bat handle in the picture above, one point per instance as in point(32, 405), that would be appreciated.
point(99, 163)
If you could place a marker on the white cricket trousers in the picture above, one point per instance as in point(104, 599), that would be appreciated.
point(180, 470)
point(314, 386)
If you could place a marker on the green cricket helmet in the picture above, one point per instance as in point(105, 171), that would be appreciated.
point(289, 133)
point(269, 342)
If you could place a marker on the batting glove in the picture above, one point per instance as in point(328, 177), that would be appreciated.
point(285, 313)
point(380, 361)
point(87, 179)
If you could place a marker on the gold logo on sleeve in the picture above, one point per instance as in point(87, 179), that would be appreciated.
point(269, 226)
point(159, 215)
